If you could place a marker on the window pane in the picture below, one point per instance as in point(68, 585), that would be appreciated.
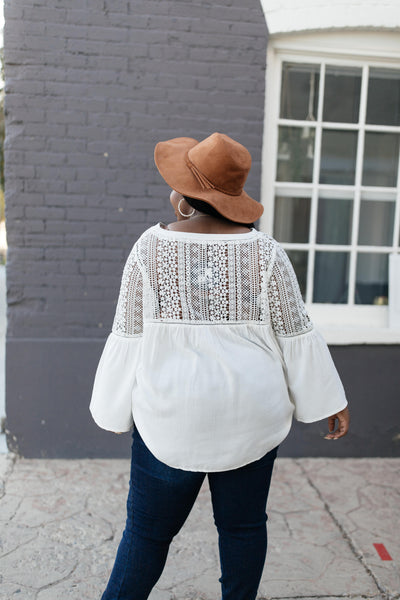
point(331, 277)
point(299, 260)
point(376, 223)
point(292, 219)
point(295, 154)
point(338, 157)
point(334, 221)
point(381, 157)
point(383, 106)
point(372, 278)
point(342, 94)
point(299, 91)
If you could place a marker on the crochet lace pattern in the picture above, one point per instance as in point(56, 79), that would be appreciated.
point(209, 281)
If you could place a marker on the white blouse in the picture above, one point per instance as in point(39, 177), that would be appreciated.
point(211, 352)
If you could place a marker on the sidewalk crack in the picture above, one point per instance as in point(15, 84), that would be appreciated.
point(357, 553)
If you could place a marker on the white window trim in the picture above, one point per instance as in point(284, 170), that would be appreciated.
point(340, 324)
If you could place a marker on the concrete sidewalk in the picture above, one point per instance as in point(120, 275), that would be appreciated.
point(61, 522)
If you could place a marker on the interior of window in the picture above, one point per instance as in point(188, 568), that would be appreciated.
point(336, 173)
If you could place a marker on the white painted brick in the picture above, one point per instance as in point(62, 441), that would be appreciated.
point(284, 16)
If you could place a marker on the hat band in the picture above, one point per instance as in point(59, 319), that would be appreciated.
point(205, 183)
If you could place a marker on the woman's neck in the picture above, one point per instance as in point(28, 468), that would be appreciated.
point(203, 223)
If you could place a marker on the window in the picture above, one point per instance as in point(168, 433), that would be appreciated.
point(333, 179)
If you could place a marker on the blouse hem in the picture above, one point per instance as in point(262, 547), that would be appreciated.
point(208, 469)
point(106, 425)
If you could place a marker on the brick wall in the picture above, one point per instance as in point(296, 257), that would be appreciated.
point(91, 86)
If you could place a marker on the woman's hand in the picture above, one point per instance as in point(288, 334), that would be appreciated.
point(343, 418)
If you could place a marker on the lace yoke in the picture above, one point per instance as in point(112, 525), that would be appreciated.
point(177, 279)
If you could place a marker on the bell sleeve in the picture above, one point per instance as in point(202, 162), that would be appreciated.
point(313, 382)
point(111, 400)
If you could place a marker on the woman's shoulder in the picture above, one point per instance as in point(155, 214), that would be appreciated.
point(138, 247)
point(269, 240)
point(270, 244)
point(146, 233)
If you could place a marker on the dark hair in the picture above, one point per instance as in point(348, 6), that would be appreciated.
point(206, 208)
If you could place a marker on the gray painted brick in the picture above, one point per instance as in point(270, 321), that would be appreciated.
point(175, 23)
point(65, 31)
point(79, 158)
point(58, 116)
point(64, 253)
point(192, 11)
point(86, 132)
point(90, 88)
point(65, 227)
point(92, 76)
point(42, 43)
point(113, 63)
point(45, 239)
point(127, 215)
point(58, 172)
point(34, 115)
point(88, 104)
point(64, 200)
point(66, 145)
point(113, 255)
point(34, 225)
point(86, 214)
point(67, 267)
point(44, 212)
point(45, 130)
point(26, 86)
point(37, 144)
point(108, 34)
point(25, 171)
point(23, 199)
point(45, 13)
point(250, 29)
point(12, 11)
point(119, 6)
point(14, 212)
point(149, 7)
point(49, 158)
point(85, 187)
point(108, 268)
point(40, 185)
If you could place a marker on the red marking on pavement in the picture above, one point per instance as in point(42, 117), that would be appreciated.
point(383, 553)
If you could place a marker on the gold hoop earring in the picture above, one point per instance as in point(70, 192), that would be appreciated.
point(183, 214)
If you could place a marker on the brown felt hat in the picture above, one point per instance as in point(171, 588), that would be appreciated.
point(213, 170)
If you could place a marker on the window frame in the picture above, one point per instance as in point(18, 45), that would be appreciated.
point(341, 323)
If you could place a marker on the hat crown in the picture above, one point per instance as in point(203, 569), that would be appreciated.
point(224, 162)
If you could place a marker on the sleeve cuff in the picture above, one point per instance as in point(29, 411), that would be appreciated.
point(111, 400)
point(314, 384)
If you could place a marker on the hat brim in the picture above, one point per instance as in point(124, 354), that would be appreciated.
point(170, 158)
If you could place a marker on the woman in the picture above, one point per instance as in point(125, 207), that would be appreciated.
point(210, 356)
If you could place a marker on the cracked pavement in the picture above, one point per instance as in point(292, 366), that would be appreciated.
point(61, 522)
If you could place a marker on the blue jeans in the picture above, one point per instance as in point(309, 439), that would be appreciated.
point(159, 502)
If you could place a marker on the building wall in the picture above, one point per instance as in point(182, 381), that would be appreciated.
point(368, 370)
point(90, 88)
